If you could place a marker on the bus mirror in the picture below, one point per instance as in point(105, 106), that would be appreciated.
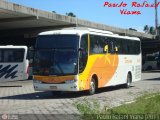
point(80, 49)
point(106, 48)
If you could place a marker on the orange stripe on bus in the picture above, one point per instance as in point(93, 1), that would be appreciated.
point(104, 66)
point(53, 79)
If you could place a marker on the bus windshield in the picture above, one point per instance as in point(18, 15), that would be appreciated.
point(56, 55)
point(57, 41)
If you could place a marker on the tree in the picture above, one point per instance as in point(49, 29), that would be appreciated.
point(53, 11)
point(132, 29)
point(146, 29)
point(71, 14)
point(152, 30)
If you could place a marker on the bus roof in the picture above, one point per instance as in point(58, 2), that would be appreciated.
point(12, 46)
point(74, 30)
point(84, 30)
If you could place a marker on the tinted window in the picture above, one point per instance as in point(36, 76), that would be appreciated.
point(137, 47)
point(57, 41)
point(96, 44)
point(55, 62)
point(111, 45)
point(130, 47)
point(151, 58)
point(125, 46)
point(83, 54)
point(119, 45)
point(11, 55)
point(1, 58)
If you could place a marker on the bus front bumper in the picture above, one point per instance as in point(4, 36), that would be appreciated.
point(39, 86)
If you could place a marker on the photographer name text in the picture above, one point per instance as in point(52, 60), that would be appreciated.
point(136, 5)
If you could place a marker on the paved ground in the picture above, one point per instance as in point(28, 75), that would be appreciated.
point(20, 97)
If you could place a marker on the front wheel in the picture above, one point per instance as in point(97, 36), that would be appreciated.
point(92, 87)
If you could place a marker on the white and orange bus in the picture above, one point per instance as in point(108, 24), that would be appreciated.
point(77, 59)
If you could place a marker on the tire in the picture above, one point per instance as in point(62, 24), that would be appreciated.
point(92, 89)
point(56, 93)
point(129, 80)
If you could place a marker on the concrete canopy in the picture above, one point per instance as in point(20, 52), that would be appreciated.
point(18, 19)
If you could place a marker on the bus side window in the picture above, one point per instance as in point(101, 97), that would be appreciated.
point(1, 60)
point(83, 53)
point(96, 44)
point(118, 44)
point(124, 46)
point(111, 45)
point(18, 55)
point(8, 56)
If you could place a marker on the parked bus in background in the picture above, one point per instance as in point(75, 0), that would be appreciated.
point(151, 62)
point(77, 59)
point(13, 63)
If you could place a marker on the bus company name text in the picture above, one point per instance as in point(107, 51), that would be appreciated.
point(133, 4)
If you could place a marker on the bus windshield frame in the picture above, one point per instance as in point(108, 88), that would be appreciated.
point(56, 55)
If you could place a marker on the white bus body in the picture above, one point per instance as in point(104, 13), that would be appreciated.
point(107, 69)
point(13, 63)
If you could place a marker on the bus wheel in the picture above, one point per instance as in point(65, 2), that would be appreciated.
point(56, 93)
point(129, 80)
point(92, 87)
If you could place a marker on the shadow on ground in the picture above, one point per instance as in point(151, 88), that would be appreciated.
point(63, 95)
point(151, 71)
point(152, 79)
point(4, 86)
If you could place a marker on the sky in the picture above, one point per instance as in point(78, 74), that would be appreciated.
point(94, 10)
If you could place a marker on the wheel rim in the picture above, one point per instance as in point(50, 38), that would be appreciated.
point(128, 80)
point(92, 86)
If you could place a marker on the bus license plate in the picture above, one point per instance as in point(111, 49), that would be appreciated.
point(53, 87)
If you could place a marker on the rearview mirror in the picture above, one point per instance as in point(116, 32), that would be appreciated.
point(80, 49)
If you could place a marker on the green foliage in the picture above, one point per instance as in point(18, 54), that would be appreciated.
point(88, 109)
point(71, 14)
point(146, 28)
point(150, 30)
point(144, 105)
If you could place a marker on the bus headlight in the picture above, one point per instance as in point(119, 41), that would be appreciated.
point(37, 81)
point(69, 81)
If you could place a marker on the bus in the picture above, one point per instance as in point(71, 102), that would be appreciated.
point(13, 63)
point(151, 61)
point(78, 59)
